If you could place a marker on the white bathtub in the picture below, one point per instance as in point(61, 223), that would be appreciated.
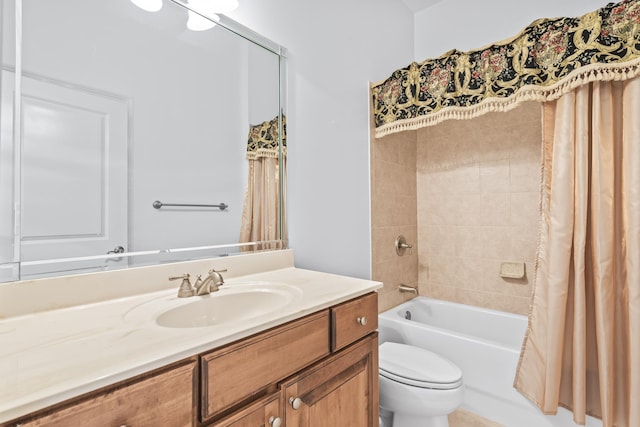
point(485, 344)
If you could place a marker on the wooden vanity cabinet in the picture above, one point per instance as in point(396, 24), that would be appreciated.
point(320, 370)
point(252, 367)
point(341, 391)
point(263, 413)
point(323, 367)
point(165, 398)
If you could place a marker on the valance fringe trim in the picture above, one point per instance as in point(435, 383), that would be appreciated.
point(544, 61)
point(585, 75)
point(260, 153)
point(264, 139)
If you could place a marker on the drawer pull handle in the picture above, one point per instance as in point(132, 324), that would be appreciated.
point(275, 421)
point(362, 320)
point(295, 403)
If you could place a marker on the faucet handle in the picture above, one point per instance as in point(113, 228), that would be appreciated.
point(185, 287)
point(216, 277)
point(197, 286)
point(402, 245)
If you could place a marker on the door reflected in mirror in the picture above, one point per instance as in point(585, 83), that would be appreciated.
point(117, 108)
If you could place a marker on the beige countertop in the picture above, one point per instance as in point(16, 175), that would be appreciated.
point(49, 356)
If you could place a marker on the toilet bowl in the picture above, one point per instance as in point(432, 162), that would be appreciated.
point(418, 388)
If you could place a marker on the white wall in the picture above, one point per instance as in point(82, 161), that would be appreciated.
point(335, 48)
point(471, 24)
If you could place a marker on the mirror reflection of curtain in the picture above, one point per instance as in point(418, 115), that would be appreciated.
point(262, 219)
point(582, 350)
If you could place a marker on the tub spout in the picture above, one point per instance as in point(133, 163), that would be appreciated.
point(407, 288)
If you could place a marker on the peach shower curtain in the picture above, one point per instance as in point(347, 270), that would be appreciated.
point(263, 215)
point(582, 349)
point(261, 212)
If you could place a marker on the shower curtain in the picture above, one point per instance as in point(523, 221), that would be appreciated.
point(582, 349)
point(263, 214)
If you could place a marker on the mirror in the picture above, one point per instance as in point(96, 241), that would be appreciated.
point(132, 131)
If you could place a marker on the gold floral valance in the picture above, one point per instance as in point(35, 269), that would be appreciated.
point(263, 139)
point(547, 59)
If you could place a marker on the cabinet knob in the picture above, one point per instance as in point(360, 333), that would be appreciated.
point(275, 421)
point(295, 402)
point(362, 320)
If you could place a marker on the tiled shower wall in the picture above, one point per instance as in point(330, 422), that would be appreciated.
point(393, 212)
point(476, 186)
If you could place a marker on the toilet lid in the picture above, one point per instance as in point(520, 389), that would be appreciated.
point(417, 367)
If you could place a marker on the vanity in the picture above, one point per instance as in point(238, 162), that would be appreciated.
point(289, 347)
point(92, 331)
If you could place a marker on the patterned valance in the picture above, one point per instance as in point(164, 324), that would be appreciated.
point(263, 139)
point(548, 58)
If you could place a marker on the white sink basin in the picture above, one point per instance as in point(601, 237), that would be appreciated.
point(233, 302)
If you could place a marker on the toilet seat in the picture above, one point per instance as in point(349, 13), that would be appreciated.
point(417, 367)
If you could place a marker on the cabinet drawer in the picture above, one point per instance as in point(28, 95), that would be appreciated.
point(163, 399)
point(258, 414)
point(353, 320)
point(246, 369)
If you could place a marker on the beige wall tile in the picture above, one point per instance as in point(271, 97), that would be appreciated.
point(525, 175)
point(495, 176)
point(465, 193)
point(436, 241)
point(393, 212)
point(495, 243)
point(495, 210)
point(469, 242)
point(494, 147)
point(468, 226)
point(525, 211)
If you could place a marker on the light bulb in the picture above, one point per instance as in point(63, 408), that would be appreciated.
point(223, 6)
point(214, 6)
point(148, 5)
point(199, 23)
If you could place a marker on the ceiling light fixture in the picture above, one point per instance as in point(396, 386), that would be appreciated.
point(148, 5)
point(196, 22)
point(223, 6)
point(209, 8)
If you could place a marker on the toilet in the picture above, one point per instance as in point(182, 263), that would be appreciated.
point(418, 388)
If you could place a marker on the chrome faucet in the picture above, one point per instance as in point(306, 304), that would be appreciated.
point(211, 283)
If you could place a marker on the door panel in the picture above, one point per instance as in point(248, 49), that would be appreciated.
point(346, 406)
point(74, 174)
point(341, 391)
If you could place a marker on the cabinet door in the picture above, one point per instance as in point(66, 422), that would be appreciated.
point(264, 413)
point(165, 399)
point(248, 369)
point(341, 391)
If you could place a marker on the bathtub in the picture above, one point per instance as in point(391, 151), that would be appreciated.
point(485, 344)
